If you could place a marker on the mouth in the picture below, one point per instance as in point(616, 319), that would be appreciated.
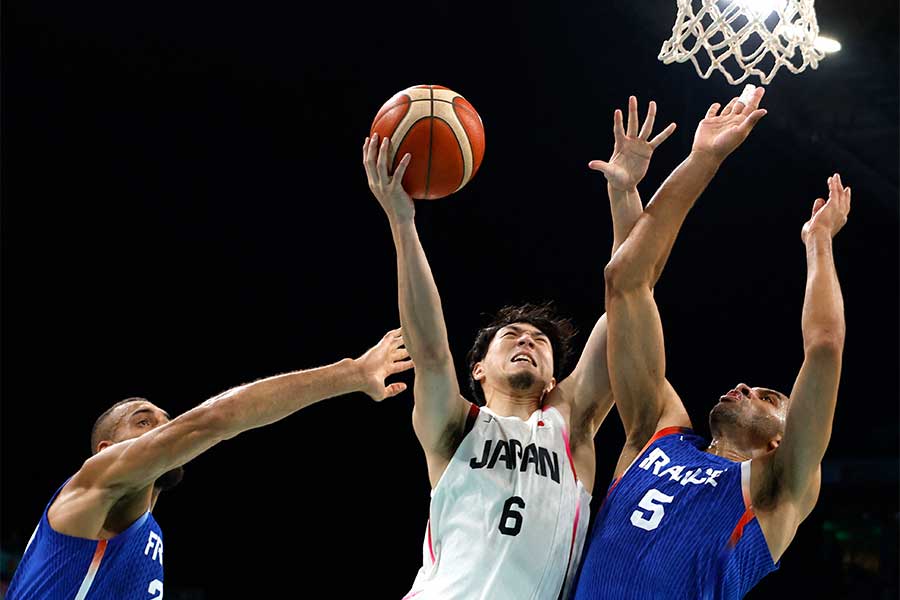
point(732, 396)
point(524, 358)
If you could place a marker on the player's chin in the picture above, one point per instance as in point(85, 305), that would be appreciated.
point(724, 412)
point(169, 479)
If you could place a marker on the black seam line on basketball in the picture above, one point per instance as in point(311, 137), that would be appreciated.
point(462, 155)
point(430, 144)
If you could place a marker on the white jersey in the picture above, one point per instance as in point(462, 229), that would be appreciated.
point(508, 517)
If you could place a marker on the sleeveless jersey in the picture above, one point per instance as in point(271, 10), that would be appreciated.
point(508, 517)
point(677, 524)
point(62, 567)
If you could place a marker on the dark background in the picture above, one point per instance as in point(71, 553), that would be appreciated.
point(184, 210)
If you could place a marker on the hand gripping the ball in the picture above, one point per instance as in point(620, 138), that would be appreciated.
point(388, 189)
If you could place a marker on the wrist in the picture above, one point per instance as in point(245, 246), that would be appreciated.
point(818, 238)
point(707, 158)
point(618, 191)
point(354, 372)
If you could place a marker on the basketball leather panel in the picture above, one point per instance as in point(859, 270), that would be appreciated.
point(474, 129)
point(447, 166)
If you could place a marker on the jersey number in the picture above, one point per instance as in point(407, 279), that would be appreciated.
point(652, 501)
point(510, 514)
point(156, 586)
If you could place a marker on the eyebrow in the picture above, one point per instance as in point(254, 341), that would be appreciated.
point(148, 410)
point(535, 332)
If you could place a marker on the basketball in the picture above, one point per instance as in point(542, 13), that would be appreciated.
point(442, 132)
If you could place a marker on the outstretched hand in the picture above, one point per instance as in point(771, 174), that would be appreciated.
point(721, 134)
point(387, 357)
point(831, 215)
point(632, 150)
point(388, 189)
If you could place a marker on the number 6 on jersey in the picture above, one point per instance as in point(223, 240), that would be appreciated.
point(509, 513)
point(652, 501)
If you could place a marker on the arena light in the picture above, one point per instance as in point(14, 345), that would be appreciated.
point(827, 45)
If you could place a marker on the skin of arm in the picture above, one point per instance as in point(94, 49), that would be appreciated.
point(588, 386)
point(130, 466)
point(440, 411)
point(645, 400)
point(785, 484)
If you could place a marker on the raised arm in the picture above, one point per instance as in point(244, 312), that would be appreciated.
point(440, 411)
point(589, 385)
point(793, 469)
point(131, 465)
point(645, 400)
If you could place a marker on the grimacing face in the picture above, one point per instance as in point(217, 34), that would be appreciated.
point(759, 412)
point(520, 355)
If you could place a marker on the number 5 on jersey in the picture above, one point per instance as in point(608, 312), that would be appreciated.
point(652, 501)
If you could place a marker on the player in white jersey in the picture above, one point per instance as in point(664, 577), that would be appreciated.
point(511, 480)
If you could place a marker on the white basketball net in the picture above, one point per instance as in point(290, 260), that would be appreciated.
point(741, 38)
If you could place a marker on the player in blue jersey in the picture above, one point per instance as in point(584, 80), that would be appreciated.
point(97, 537)
point(685, 518)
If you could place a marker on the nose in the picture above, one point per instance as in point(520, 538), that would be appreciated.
point(743, 389)
point(525, 339)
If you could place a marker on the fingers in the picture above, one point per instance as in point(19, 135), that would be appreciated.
point(817, 206)
point(400, 171)
point(752, 119)
point(400, 366)
point(394, 389)
point(648, 122)
point(713, 109)
point(618, 127)
point(729, 108)
point(632, 128)
point(381, 166)
point(399, 354)
point(755, 98)
point(370, 152)
point(662, 136)
point(599, 165)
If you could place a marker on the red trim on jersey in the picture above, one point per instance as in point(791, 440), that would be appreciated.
point(739, 528)
point(470, 418)
point(659, 434)
point(430, 548)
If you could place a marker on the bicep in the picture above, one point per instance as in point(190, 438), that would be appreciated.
point(637, 365)
point(588, 385)
point(809, 419)
point(439, 409)
point(135, 463)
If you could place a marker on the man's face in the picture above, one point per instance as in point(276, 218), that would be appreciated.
point(758, 412)
point(519, 356)
point(134, 420)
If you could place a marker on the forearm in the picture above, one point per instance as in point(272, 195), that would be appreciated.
point(643, 256)
point(421, 315)
point(268, 400)
point(626, 208)
point(823, 304)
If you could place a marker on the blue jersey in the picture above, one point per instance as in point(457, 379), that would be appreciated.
point(677, 524)
point(61, 567)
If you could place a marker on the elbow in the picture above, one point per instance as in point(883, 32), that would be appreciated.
point(829, 342)
point(620, 278)
point(431, 357)
point(215, 418)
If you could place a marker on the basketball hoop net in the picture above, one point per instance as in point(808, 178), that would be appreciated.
point(741, 38)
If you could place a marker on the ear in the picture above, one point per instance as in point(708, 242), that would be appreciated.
point(104, 445)
point(550, 387)
point(478, 372)
point(774, 443)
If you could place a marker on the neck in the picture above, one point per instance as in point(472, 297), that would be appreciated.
point(727, 449)
point(511, 404)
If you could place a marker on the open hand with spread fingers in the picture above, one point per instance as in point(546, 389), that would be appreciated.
point(633, 149)
point(828, 216)
point(720, 133)
point(388, 188)
point(387, 357)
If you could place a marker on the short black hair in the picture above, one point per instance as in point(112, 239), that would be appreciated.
point(559, 330)
point(103, 427)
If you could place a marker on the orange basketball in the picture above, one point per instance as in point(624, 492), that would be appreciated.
point(441, 131)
